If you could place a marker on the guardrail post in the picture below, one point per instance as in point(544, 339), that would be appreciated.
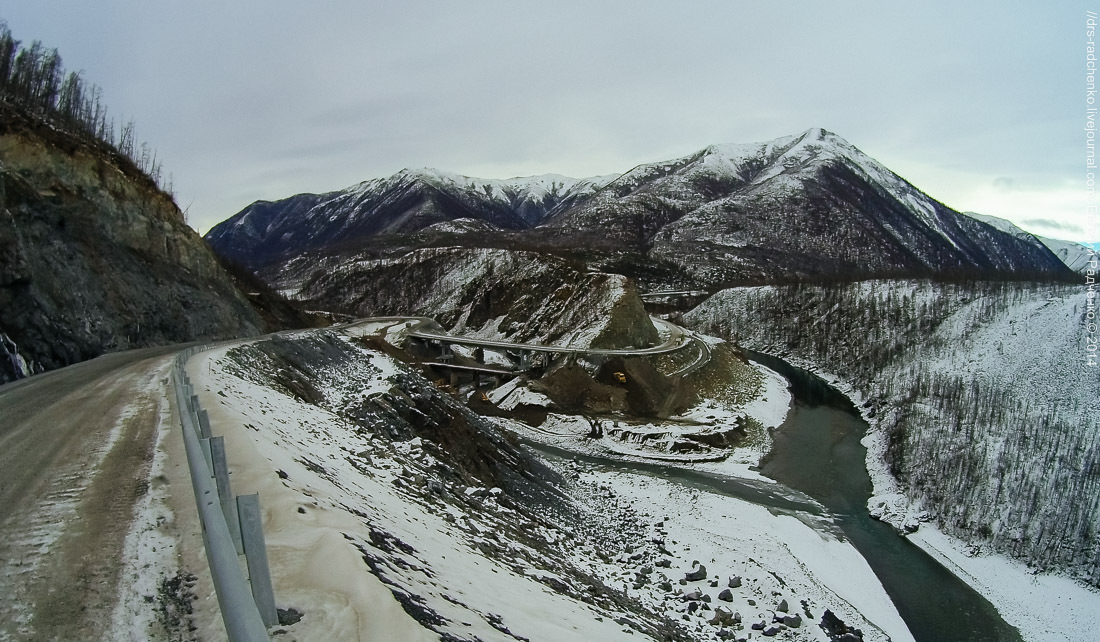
point(255, 554)
point(204, 424)
point(206, 454)
point(221, 469)
point(225, 495)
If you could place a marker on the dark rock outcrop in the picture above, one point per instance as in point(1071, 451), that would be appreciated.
point(94, 258)
point(696, 574)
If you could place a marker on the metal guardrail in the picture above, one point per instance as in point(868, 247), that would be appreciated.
point(230, 526)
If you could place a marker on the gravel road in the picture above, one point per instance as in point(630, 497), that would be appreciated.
point(75, 449)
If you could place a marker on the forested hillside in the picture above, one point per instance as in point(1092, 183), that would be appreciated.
point(985, 408)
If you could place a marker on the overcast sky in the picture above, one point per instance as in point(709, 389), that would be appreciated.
point(980, 104)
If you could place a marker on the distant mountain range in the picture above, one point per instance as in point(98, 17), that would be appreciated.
point(1075, 255)
point(804, 206)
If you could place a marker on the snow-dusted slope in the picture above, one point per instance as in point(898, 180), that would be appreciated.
point(520, 296)
point(377, 484)
point(1076, 256)
point(982, 396)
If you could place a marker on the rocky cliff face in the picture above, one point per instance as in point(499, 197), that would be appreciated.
point(94, 258)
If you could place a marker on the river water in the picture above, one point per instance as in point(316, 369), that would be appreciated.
point(817, 451)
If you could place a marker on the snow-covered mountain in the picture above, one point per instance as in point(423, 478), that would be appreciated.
point(409, 201)
point(1075, 255)
point(805, 205)
point(810, 205)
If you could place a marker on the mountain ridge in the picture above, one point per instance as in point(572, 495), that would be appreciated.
point(804, 206)
point(1076, 256)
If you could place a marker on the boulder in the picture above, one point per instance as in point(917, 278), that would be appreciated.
point(722, 616)
point(783, 606)
point(793, 621)
point(836, 629)
point(735, 581)
point(726, 595)
point(698, 573)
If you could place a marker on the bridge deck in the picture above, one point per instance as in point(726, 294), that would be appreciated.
point(677, 340)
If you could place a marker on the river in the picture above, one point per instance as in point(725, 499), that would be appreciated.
point(817, 451)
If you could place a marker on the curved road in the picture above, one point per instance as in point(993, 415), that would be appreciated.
point(75, 449)
point(678, 339)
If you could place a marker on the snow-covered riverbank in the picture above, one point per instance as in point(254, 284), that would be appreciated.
point(905, 352)
point(356, 518)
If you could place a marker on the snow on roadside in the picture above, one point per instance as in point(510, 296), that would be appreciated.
point(350, 526)
point(150, 550)
point(269, 434)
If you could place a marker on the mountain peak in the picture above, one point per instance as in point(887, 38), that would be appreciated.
point(727, 212)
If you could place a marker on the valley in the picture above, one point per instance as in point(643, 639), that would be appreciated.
point(611, 543)
point(549, 408)
point(805, 388)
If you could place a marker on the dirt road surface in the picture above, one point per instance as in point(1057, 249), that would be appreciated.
point(75, 451)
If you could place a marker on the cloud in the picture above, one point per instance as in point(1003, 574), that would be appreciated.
point(1054, 226)
point(266, 98)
